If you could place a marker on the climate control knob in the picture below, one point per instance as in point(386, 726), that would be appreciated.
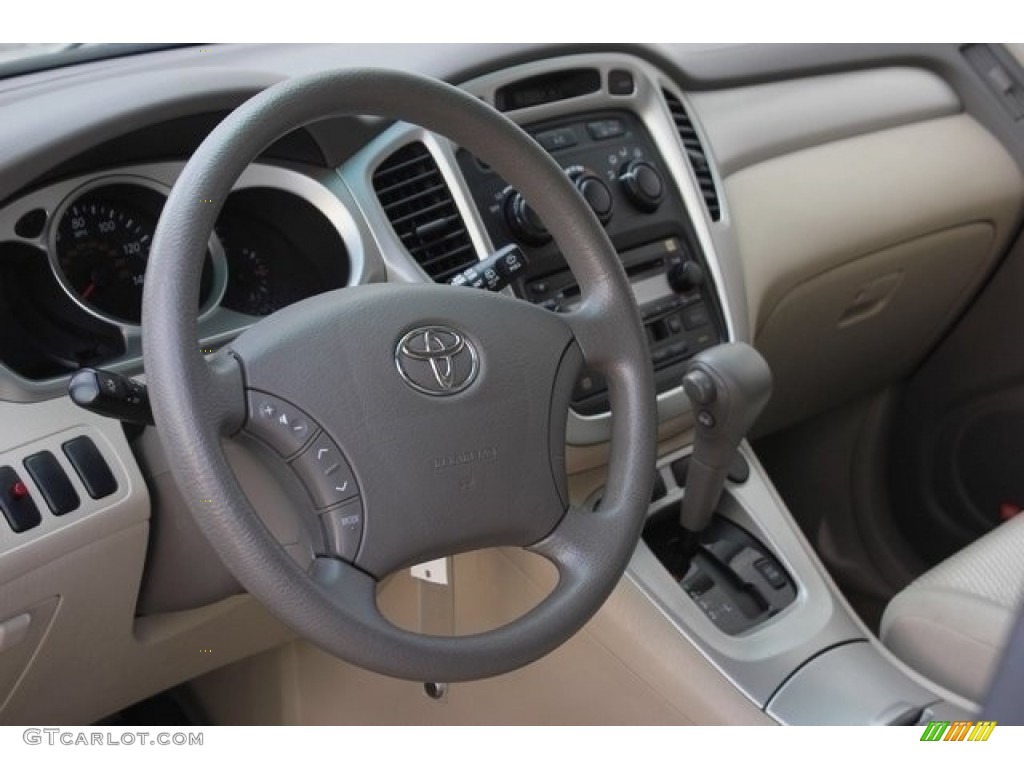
point(643, 185)
point(524, 221)
point(686, 276)
point(596, 193)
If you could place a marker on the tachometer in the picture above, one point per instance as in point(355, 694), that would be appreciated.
point(251, 288)
point(265, 270)
point(102, 245)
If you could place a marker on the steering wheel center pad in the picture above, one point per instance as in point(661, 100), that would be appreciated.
point(437, 473)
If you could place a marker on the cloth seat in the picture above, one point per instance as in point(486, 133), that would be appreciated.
point(952, 623)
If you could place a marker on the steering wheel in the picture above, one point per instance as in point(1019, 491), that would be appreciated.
point(425, 420)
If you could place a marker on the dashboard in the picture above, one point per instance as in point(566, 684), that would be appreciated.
point(318, 211)
point(407, 204)
point(802, 199)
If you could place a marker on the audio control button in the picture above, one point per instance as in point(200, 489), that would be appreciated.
point(344, 528)
point(325, 473)
point(679, 349)
point(277, 423)
point(686, 276)
point(696, 317)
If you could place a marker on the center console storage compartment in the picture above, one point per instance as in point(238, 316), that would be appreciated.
point(861, 687)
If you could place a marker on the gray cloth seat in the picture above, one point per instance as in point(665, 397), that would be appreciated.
point(952, 623)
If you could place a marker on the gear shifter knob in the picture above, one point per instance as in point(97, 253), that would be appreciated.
point(729, 385)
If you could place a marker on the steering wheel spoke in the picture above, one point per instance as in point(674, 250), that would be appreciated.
point(225, 399)
point(588, 324)
point(582, 538)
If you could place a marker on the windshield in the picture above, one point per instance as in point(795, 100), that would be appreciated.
point(22, 58)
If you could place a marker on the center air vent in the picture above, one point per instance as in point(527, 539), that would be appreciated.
point(698, 157)
point(420, 207)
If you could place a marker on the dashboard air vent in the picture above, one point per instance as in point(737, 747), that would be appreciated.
point(420, 207)
point(698, 157)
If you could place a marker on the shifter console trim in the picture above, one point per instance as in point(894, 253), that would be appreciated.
point(732, 577)
point(757, 661)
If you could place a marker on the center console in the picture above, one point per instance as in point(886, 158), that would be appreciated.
point(614, 163)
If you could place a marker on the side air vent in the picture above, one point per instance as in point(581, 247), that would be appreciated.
point(694, 150)
point(420, 207)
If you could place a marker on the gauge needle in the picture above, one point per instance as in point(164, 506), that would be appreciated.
point(89, 289)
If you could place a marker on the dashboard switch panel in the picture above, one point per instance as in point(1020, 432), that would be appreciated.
point(53, 482)
point(16, 502)
point(91, 467)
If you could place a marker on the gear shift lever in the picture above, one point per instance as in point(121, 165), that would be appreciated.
point(729, 386)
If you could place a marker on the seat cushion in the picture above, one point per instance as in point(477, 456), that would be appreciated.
point(952, 623)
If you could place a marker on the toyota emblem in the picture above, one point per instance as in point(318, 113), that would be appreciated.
point(437, 360)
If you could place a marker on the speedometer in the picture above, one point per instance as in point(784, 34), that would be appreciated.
point(102, 246)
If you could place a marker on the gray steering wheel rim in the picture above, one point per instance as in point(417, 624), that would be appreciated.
point(195, 404)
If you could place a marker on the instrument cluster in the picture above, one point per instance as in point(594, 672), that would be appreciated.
point(73, 260)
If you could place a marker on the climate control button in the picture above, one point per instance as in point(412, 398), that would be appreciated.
point(643, 185)
point(597, 195)
point(524, 222)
